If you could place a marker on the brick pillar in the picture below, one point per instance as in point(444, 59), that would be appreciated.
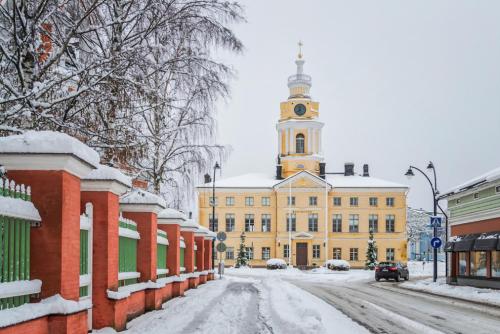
point(55, 245)
point(146, 245)
point(189, 252)
point(208, 255)
point(174, 241)
point(200, 259)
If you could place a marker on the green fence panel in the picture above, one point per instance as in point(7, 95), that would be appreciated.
point(182, 257)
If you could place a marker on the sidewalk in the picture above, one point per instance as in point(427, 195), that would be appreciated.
point(489, 297)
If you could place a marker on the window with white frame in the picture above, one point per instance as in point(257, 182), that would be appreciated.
point(337, 253)
point(299, 143)
point(389, 254)
point(353, 254)
point(389, 201)
point(230, 222)
point(249, 223)
point(353, 201)
point(390, 223)
point(497, 189)
point(354, 223)
point(249, 253)
point(213, 223)
point(286, 251)
point(337, 223)
point(313, 222)
point(230, 201)
point(316, 251)
point(291, 221)
point(291, 200)
point(266, 201)
point(337, 201)
point(313, 200)
point(373, 201)
point(266, 222)
point(266, 253)
point(230, 253)
point(373, 223)
point(476, 195)
point(249, 201)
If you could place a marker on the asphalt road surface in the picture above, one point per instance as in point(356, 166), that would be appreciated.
point(383, 307)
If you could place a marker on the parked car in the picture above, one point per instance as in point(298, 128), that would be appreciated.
point(338, 265)
point(394, 270)
point(276, 264)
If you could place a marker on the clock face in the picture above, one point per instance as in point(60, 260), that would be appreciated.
point(300, 109)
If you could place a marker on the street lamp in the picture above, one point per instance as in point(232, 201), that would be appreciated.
point(435, 192)
point(214, 255)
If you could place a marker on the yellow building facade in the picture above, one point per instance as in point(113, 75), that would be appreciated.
point(302, 208)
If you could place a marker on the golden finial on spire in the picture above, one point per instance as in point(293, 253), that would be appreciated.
point(300, 49)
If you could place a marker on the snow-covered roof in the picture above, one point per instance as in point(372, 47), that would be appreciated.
point(189, 224)
point(490, 176)
point(256, 180)
point(48, 142)
point(104, 172)
point(139, 196)
point(170, 213)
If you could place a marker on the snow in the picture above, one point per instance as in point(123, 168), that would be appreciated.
point(241, 305)
point(18, 208)
point(488, 296)
point(358, 181)
point(276, 262)
point(19, 288)
point(109, 173)
point(128, 233)
point(250, 180)
point(45, 142)
point(52, 305)
point(337, 263)
point(490, 176)
point(139, 196)
point(170, 213)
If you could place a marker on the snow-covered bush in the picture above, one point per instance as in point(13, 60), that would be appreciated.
point(276, 264)
point(337, 265)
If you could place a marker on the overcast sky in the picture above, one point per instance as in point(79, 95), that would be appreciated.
point(399, 83)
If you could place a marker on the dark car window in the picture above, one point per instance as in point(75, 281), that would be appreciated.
point(387, 264)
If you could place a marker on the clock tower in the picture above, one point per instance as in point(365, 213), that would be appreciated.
point(299, 130)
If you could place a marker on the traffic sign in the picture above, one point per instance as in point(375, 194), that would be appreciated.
point(436, 221)
point(221, 247)
point(221, 236)
point(436, 242)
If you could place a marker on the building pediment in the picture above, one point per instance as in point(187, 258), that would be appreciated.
point(303, 179)
point(302, 235)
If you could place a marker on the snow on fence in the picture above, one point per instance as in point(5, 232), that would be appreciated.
point(127, 252)
point(162, 250)
point(17, 214)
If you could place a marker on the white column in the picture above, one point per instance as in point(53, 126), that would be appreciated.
point(291, 137)
point(309, 146)
point(287, 134)
point(314, 150)
point(279, 141)
point(320, 149)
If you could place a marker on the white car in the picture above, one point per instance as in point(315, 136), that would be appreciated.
point(338, 265)
point(276, 264)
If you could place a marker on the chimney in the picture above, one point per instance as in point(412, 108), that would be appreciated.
point(190, 215)
point(279, 169)
point(366, 173)
point(348, 169)
point(208, 179)
point(322, 167)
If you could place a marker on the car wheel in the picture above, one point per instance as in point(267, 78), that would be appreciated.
point(407, 277)
point(377, 279)
point(397, 278)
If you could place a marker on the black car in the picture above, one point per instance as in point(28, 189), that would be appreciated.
point(394, 270)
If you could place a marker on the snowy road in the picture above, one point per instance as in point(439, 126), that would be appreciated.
point(385, 308)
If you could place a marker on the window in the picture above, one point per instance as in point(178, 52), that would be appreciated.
point(313, 222)
point(313, 201)
point(299, 143)
point(229, 222)
point(229, 201)
point(389, 201)
point(495, 264)
point(266, 223)
point(497, 189)
point(291, 200)
point(373, 223)
point(373, 201)
point(462, 263)
point(458, 201)
point(286, 251)
point(353, 254)
point(337, 253)
point(213, 224)
point(266, 201)
point(337, 223)
point(390, 225)
point(316, 251)
point(476, 195)
point(389, 254)
point(478, 264)
point(353, 223)
point(266, 253)
point(249, 253)
point(353, 201)
point(212, 201)
point(230, 253)
point(291, 222)
point(337, 201)
point(249, 223)
point(249, 201)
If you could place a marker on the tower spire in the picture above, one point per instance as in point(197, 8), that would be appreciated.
point(300, 49)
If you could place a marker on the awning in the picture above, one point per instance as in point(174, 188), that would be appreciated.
point(448, 247)
point(486, 241)
point(465, 243)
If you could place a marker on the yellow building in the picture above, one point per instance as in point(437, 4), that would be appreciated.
point(321, 215)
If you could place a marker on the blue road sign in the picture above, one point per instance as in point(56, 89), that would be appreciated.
point(436, 221)
point(436, 242)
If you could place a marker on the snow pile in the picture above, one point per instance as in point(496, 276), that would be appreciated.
point(18, 208)
point(139, 196)
point(52, 305)
point(276, 262)
point(48, 142)
point(20, 288)
point(421, 268)
point(106, 173)
point(469, 293)
point(337, 264)
point(170, 213)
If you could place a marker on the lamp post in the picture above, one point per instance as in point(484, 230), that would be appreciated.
point(214, 255)
point(435, 192)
